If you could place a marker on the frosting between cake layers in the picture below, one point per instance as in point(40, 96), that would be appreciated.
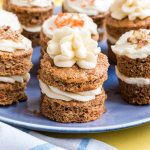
point(32, 29)
point(128, 80)
point(32, 3)
point(89, 7)
point(132, 9)
point(9, 19)
point(11, 46)
point(133, 44)
point(55, 93)
point(13, 79)
point(87, 23)
point(70, 46)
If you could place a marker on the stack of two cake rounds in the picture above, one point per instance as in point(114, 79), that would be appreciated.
point(133, 66)
point(15, 63)
point(71, 76)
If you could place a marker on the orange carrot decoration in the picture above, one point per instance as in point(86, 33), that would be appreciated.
point(92, 2)
point(51, 28)
point(66, 19)
point(84, 3)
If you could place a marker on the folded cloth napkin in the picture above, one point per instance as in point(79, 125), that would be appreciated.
point(15, 139)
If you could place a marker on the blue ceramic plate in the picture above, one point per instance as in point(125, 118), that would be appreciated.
point(119, 114)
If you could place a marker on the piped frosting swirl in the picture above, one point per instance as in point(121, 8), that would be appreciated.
point(132, 9)
point(70, 46)
point(89, 7)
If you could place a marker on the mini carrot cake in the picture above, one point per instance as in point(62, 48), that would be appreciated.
point(10, 19)
point(71, 76)
point(15, 63)
point(72, 20)
point(133, 66)
point(31, 14)
point(126, 15)
point(96, 9)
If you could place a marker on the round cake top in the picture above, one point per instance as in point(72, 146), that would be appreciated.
point(89, 7)
point(11, 41)
point(9, 19)
point(73, 20)
point(32, 3)
point(133, 44)
point(71, 46)
point(132, 9)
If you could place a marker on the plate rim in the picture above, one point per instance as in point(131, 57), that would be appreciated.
point(60, 129)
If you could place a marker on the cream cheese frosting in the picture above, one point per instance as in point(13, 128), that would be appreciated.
point(51, 24)
point(128, 80)
point(70, 46)
point(32, 3)
point(9, 19)
point(13, 79)
point(89, 7)
point(133, 44)
point(32, 29)
point(11, 41)
point(55, 93)
point(132, 9)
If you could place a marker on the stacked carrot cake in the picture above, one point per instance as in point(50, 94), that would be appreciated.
point(31, 14)
point(15, 63)
point(133, 66)
point(126, 15)
point(96, 9)
point(71, 77)
point(10, 19)
point(73, 20)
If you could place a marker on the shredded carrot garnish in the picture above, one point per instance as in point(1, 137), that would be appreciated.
point(92, 2)
point(84, 3)
point(51, 28)
point(66, 19)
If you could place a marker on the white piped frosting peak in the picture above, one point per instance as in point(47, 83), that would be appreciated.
point(132, 9)
point(70, 46)
point(89, 7)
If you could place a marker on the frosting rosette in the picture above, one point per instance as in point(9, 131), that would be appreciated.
point(132, 9)
point(89, 7)
point(70, 46)
point(34, 3)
